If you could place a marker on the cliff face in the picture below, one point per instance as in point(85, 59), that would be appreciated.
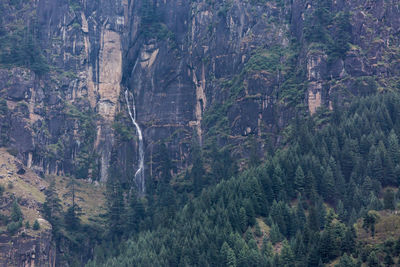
point(196, 68)
point(215, 71)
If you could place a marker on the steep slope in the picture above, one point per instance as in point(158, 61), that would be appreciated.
point(207, 77)
point(26, 246)
point(231, 68)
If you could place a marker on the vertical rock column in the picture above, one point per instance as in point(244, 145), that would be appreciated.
point(316, 68)
point(110, 74)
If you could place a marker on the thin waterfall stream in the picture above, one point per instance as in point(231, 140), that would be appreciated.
point(139, 175)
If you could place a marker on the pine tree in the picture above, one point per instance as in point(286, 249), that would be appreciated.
point(165, 163)
point(373, 260)
point(16, 213)
point(135, 214)
point(388, 260)
point(274, 234)
point(52, 208)
point(346, 261)
point(328, 185)
point(389, 199)
point(267, 248)
point(299, 179)
point(393, 147)
point(115, 207)
point(349, 240)
point(341, 211)
point(369, 221)
point(243, 219)
point(197, 172)
point(71, 217)
point(287, 256)
point(310, 186)
point(36, 225)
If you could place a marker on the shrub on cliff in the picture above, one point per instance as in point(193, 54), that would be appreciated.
point(13, 227)
point(36, 225)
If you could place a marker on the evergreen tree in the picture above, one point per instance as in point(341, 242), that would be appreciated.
point(373, 260)
point(393, 147)
point(71, 217)
point(243, 219)
point(16, 213)
point(287, 256)
point(388, 260)
point(52, 208)
point(328, 185)
point(369, 221)
point(197, 172)
point(299, 179)
point(135, 214)
point(389, 199)
point(274, 234)
point(166, 164)
point(346, 261)
point(36, 225)
point(115, 207)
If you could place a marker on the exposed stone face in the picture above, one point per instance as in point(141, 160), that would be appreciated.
point(198, 58)
point(205, 63)
point(28, 250)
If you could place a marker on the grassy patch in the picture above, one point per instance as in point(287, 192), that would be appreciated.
point(89, 197)
point(388, 226)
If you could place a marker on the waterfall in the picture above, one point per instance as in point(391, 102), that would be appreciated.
point(139, 175)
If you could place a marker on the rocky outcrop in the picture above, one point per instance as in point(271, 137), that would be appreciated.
point(25, 250)
point(196, 68)
point(25, 246)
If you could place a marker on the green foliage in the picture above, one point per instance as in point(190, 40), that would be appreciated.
point(331, 31)
point(389, 199)
point(13, 227)
point(346, 261)
point(20, 48)
point(74, 5)
point(16, 213)
point(265, 59)
point(341, 163)
point(316, 23)
point(4, 123)
point(36, 225)
point(52, 208)
point(86, 158)
point(115, 202)
point(151, 25)
point(369, 221)
point(341, 38)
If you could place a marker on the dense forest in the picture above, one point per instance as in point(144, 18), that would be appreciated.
point(298, 207)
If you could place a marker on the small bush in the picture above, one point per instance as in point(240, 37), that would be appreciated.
point(13, 227)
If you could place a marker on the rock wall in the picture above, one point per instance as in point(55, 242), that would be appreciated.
point(219, 71)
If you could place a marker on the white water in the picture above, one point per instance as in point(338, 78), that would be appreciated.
point(139, 175)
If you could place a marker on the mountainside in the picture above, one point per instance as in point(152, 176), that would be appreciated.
point(167, 98)
point(229, 67)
